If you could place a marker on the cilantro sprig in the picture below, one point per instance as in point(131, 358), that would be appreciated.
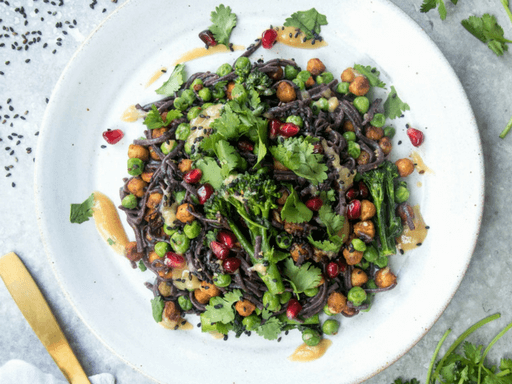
point(308, 22)
point(393, 106)
point(439, 4)
point(302, 277)
point(223, 23)
point(173, 84)
point(294, 210)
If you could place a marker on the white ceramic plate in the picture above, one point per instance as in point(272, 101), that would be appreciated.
point(109, 73)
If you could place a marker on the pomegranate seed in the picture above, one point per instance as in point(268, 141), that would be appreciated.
point(193, 176)
point(293, 309)
point(227, 238)
point(245, 145)
point(173, 260)
point(354, 210)
point(204, 193)
point(363, 190)
point(231, 264)
point(275, 126)
point(207, 37)
point(220, 251)
point(333, 269)
point(317, 148)
point(314, 203)
point(268, 38)
point(113, 136)
point(352, 194)
point(289, 130)
point(416, 136)
point(343, 265)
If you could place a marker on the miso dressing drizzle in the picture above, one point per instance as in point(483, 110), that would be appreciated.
point(286, 35)
point(304, 353)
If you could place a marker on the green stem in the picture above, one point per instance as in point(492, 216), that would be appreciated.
point(498, 336)
point(434, 356)
point(506, 130)
point(507, 9)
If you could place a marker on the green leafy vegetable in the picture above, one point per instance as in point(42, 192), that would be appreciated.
point(142, 266)
point(229, 158)
point(271, 329)
point(308, 22)
point(371, 74)
point(488, 31)
point(82, 212)
point(432, 4)
point(223, 23)
point(220, 309)
point(393, 106)
point(506, 130)
point(294, 210)
point(332, 221)
point(332, 245)
point(302, 277)
point(211, 171)
point(157, 307)
point(154, 119)
point(175, 81)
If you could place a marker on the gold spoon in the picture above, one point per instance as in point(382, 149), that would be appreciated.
point(34, 307)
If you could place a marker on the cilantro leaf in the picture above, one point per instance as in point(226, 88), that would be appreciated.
point(394, 106)
point(175, 81)
point(432, 4)
point(270, 329)
point(157, 307)
point(229, 158)
point(332, 221)
point(211, 171)
point(223, 23)
point(82, 212)
point(371, 74)
point(154, 119)
point(220, 309)
point(488, 31)
point(296, 154)
point(294, 210)
point(302, 277)
point(227, 124)
point(142, 266)
point(332, 245)
point(308, 22)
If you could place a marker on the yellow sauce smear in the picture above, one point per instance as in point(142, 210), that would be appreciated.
point(156, 76)
point(185, 326)
point(196, 53)
point(305, 353)
point(421, 167)
point(411, 238)
point(283, 36)
point(108, 223)
point(131, 114)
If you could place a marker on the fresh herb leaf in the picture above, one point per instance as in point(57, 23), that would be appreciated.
point(82, 212)
point(223, 23)
point(294, 210)
point(334, 243)
point(228, 124)
point(488, 31)
point(296, 154)
point(142, 266)
point(154, 119)
point(270, 329)
point(393, 106)
point(432, 4)
point(302, 277)
point(210, 236)
point(220, 309)
point(110, 241)
point(372, 74)
point(157, 307)
point(177, 78)
point(229, 158)
point(332, 221)
point(262, 140)
point(211, 171)
point(308, 22)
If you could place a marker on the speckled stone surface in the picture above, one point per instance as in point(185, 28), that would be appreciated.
point(28, 75)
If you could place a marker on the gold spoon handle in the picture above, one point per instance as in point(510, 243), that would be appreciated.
point(34, 307)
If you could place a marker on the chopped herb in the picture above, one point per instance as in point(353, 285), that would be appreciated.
point(176, 79)
point(432, 4)
point(82, 212)
point(393, 106)
point(488, 31)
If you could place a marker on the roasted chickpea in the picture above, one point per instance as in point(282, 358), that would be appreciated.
point(185, 165)
point(210, 289)
point(201, 296)
point(358, 277)
point(229, 89)
point(405, 166)
point(297, 250)
point(364, 229)
point(153, 154)
point(309, 82)
point(348, 126)
point(277, 75)
point(244, 307)
point(154, 200)
point(364, 158)
point(385, 145)
point(276, 215)
point(138, 152)
point(136, 186)
point(348, 75)
point(183, 214)
point(384, 278)
point(374, 133)
point(352, 257)
point(284, 196)
point(152, 256)
point(279, 166)
point(360, 86)
point(158, 132)
point(146, 176)
point(286, 92)
point(349, 312)
point(315, 66)
point(131, 251)
point(336, 302)
point(171, 316)
point(164, 288)
point(293, 229)
point(150, 214)
point(319, 254)
point(367, 210)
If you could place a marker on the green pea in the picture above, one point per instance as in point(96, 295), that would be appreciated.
point(183, 131)
point(285, 297)
point(205, 94)
point(185, 303)
point(218, 93)
point(161, 248)
point(325, 78)
point(327, 311)
point(224, 69)
point(179, 196)
point(356, 295)
point(363, 264)
point(189, 96)
point(193, 113)
point(304, 75)
point(299, 83)
point(381, 262)
point(362, 104)
point(129, 201)
point(297, 120)
point(239, 93)
point(389, 132)
point(371, 254)
point(359, 245)
point(342, 87)
point(192, 230)
point(401, 194)
point(353, 149)
point(290, 72)
point(271, 302)
point(180, 243)
point(195, 83)
point(169, 231)
point(167, 146)
point(371, 284)
point(243, 64)
point(378, 120)
point(311, 337)
point(311, 292)
point(349, 136)
point(251, 322)
point(180, 103)
point(188, 148)
point(284, 240)
point(323, 103)
point(222, 280)
point(135, 166)
point(330, 327)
